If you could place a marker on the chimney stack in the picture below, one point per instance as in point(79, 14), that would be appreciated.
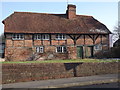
point(71, 11)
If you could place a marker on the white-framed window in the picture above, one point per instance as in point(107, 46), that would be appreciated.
point(61, 49)
point(37, 36)
point(18, 37)
point(40, 49)
point(45, 36)
point(41, 36)
point(60, 37)
point(98, 47)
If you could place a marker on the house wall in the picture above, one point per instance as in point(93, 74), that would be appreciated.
point(22, 50)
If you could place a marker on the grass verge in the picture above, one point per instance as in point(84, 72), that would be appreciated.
point(65, 61)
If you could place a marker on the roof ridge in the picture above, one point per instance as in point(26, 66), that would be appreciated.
point(49, 13)
point(38, 13)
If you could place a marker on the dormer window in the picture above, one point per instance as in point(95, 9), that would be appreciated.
point(18, 37)
point(41, 36)
point(60, 37)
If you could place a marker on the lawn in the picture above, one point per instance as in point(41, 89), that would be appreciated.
point(66, 61)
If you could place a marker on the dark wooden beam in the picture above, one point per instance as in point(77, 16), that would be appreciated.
point(101, 39)
point(58, 42)
point(90, 36)
point(71, 37)
point(66, 42)
point(41, 40)
point(74, 38)
point(32, 39)
point(50, 39)
point(78, 37)
point(93, 37)
point(96, 37)
point(84, 39)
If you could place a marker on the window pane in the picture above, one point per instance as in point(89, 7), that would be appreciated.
point(65, 49)
point(56, 36)
point(61, 49)
point(63, 36)
point(35, 36)
point(39, 49)
point(60, 36)
point(21, 36)
point(18, 36)
point(38, 36)
point(58, 49)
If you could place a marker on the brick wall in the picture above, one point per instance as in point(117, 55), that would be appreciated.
point(39, 71)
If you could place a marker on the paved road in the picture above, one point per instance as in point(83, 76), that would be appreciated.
point(65, 82)
point(105, 85)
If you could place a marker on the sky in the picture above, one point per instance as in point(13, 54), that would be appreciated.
point(105, 12)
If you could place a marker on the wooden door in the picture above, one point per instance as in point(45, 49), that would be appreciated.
point(80, 52)
point(89, 51)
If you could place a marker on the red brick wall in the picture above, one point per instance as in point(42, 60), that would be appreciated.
point(39, 71)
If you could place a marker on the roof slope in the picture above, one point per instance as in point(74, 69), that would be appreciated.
point(26, 22)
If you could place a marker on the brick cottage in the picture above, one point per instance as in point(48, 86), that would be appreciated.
point(31, 36)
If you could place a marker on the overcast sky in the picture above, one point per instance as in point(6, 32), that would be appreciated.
point(105, 12)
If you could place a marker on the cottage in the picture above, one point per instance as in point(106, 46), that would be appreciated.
point(53, 36)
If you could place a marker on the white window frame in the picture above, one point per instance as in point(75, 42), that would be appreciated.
point(41, 37)
point(18, 36)
point(37, 37)
point(60, 37)
point(39, 49)
point(45, 37)
point(98, 47)
point(62, 49)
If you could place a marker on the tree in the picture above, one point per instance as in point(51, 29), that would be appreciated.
point(117, 30)
point(116, 35)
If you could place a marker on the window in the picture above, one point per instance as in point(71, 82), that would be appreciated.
point(61, 49)
point(41, 37)
point(45, 37)
point(37, 37)
point(40, 49)
point(98, 47)
point(60, 37)
point(18, 37)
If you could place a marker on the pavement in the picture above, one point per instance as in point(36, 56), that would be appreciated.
point(65, 82)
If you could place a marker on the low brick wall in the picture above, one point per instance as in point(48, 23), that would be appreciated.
point(39, 71)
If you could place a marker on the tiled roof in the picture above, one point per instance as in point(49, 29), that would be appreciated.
point(26, 22)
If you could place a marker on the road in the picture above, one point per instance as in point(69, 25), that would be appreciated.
point(65, 82)
point(107, 85)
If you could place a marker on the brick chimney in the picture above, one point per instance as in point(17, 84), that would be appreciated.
point(71, 11)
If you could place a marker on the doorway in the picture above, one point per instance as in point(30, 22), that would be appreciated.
point(80, 52)
point(89, 51)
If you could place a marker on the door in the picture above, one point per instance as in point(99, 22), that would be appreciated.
point(80, 51)
point(89, 51)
